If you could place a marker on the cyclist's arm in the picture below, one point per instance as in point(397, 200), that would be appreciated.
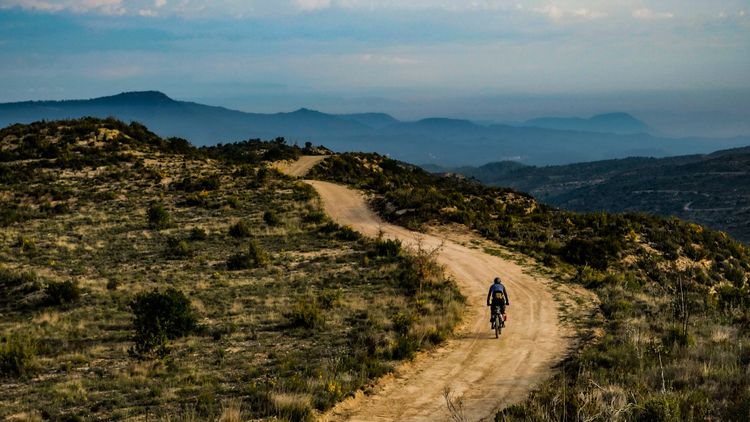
point(489, 295)
point(507, 301)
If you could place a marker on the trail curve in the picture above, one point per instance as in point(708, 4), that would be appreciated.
point(487, 373)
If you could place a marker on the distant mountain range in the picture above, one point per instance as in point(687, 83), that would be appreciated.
point(711, 189)
point(619, 123)
point(436, 140)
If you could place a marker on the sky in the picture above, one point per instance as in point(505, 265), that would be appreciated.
point(682, 64)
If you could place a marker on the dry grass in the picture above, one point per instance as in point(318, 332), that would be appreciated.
point(245, 348)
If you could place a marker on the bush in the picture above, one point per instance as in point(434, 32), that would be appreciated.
point(113, 284)
point(158, 316)
point(271, 218)
point(303, 192)
point(347, 233)
point(314, 217)
point(306, 313)
point(405, 348)
point(254, 258)
point(62, 292)
point(660, 409)
point(17, 354)
point(240, 229)
point(158, 217)
point(198, 233)
point(402, 323)
point(177, 248)
point(388, 248)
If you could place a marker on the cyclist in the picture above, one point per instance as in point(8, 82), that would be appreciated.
point(497, 298)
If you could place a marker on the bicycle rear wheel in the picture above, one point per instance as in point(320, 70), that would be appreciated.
point(497, 326)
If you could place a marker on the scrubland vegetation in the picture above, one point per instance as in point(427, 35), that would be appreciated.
point(672, 338)
point(143, 278)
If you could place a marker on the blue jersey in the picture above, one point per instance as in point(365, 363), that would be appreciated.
point(497, 294)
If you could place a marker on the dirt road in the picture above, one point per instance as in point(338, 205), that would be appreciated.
point(299, 167)
point(486, 373)
point(489, 374)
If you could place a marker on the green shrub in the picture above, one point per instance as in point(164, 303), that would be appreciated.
point(62, 292)
point(159, 316)
point(233, 202)
point(330, 298)
point(306, 313)
point(158, 217)
point(314, 217)
point(387, 248)
point(239, 230)
point(255, 257)
point(303, 192)
point(190, 184)
point(198, 233)
point(178, 248)
point(402, 323)
point(113, 284)
point(329, 228)
point(660, 409)
point(17, 355)
point(405, 348)
point(271, 218)
point(347, 233)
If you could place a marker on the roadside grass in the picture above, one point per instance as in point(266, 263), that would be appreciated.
point(248, 356)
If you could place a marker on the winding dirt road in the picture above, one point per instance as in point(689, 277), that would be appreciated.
point(299, 167)
point(487, 373)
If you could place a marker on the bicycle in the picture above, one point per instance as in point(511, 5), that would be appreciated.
point(498, 322)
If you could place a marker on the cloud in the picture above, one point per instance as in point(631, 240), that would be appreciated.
point(160, 3)
point(148, 13)
point(105, 7)
point(310, 5)
point(553, 12)
point(589, 14)
point(650, 15)
point(557, 13)
point(387, 59)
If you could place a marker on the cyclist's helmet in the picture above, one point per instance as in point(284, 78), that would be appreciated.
point(497, 279)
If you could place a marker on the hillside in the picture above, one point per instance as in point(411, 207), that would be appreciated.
point(143, 278)
point(273, 311)
point(708, 189)
point(449, 142)
point(671, 339)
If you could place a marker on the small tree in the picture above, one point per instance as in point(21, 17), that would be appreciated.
point(271, 218)
point(254, 258)
point(159, 316)
point(62, 292)
point(240, 229)
point(158, 217)
point(17, 355)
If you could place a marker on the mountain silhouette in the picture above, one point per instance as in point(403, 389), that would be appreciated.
point(618, 123)
point(443, 141)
